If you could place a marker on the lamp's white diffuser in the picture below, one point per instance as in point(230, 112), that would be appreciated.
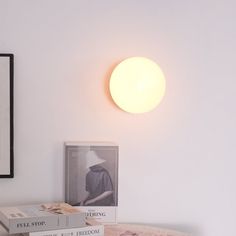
point(137, 85)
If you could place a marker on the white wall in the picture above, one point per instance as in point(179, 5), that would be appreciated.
point(177, 163)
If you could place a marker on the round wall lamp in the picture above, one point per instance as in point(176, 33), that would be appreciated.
point(137, 85)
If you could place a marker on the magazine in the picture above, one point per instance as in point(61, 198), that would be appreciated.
point(92, 179)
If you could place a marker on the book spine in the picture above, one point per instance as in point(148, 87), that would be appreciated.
point(95, 230)
point(31, 224)
point(28, 224)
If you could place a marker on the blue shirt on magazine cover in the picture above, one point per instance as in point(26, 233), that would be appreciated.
point(99, 181)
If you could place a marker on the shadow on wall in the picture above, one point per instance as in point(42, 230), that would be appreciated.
point(107, 77)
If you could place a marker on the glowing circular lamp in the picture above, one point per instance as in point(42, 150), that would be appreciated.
point(137, 85)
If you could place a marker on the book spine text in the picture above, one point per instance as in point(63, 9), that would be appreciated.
point(97, 230)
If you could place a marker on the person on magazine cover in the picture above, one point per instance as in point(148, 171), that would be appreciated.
point(98, 183)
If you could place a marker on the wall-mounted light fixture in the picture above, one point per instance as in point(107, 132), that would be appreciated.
point(137, 85)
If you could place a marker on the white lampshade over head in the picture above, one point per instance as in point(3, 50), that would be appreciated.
point(93, 159)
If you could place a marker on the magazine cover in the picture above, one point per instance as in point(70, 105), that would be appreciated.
point(92, 179)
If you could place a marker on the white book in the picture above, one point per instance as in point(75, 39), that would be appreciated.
point(93, 228)
point(92, 179)
point(50, 216)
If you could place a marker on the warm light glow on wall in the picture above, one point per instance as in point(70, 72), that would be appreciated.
point(137, 85)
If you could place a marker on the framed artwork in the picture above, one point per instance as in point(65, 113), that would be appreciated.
point(92, 179)
point(6, 116)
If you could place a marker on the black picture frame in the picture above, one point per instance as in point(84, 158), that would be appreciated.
point(7, 82)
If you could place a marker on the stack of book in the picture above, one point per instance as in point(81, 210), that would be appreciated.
point(53, 219)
